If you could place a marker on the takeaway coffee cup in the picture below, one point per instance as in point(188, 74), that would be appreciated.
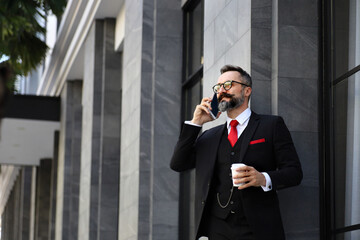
point(235, 166)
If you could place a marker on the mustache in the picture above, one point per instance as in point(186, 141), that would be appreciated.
point(224, 94)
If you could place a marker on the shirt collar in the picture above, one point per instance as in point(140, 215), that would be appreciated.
point(241, 118)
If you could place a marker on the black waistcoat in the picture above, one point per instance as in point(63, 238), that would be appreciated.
point(222, 180)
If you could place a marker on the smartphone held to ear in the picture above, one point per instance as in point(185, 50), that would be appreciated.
point(214, 107)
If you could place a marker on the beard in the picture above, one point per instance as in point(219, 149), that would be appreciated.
point(233, 103)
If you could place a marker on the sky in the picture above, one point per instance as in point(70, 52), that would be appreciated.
point(4, 58)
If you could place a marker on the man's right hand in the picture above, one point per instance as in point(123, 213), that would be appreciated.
point(202, 112)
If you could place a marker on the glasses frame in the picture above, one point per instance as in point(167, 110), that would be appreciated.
point(222, 85)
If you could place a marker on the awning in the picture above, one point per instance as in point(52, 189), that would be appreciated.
point(27, 129)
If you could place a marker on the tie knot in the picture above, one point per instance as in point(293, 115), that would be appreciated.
point(234, 123)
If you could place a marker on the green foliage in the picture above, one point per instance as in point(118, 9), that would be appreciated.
point(22, 31)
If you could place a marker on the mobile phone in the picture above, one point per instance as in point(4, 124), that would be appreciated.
point(214, 107)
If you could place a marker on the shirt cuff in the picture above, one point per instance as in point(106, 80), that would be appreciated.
point(193, 124)
point(268, 186)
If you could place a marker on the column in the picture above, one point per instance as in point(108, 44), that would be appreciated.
point(70, 163)
point(100, 152)
point(108, 195)
point(11, 214)
point(53, 190)
point(65, 178)
point(42, 207)
point(26, 177)
point(150, 119)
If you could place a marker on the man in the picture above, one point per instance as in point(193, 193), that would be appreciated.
point(263, 143)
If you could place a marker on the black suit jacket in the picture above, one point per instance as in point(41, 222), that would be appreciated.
point(267, 146)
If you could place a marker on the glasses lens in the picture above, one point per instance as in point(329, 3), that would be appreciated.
point(227, 85)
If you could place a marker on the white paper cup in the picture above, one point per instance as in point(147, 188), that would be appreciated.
point(235, 166)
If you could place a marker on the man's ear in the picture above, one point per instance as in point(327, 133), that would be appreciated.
point(248, 91)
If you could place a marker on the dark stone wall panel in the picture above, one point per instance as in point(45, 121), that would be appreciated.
point(261, 55)
point(298, 51)
point(299, 13)
point(298, 103)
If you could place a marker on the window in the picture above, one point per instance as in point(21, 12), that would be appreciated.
point(191, 96)
point(342, 76)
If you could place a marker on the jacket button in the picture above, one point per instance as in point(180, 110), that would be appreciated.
point(203, 202)
point(232, 153)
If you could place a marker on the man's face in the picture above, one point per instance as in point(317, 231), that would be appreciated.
point(235, 96)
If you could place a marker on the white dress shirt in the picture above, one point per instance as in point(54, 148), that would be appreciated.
point(243, 120)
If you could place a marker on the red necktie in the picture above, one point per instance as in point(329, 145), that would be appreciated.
point(233, 136)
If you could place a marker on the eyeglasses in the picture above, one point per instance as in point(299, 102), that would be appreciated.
point(226, 85)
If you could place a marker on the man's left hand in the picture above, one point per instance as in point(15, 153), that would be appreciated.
point(250, 176)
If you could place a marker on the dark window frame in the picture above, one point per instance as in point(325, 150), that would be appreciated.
point(188, 82)
point(328, 229)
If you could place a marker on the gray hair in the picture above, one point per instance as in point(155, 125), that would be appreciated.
point(245, 76)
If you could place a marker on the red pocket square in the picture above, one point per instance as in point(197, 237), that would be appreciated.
point(257, 141)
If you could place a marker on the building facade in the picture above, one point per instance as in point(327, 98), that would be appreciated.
point(129, 72)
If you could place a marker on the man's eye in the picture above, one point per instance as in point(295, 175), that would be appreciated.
point(227, 84)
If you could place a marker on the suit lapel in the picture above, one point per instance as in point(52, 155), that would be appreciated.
point(215, 144)
point(248, 133)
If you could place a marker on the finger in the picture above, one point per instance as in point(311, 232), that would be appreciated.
point(201, 108)
point(246, 185)
point(248, 180)
point(241, 181)
point(244, 169)
point(205, 109)
point(239, 175)
point(206, 104)
point(247, 168)
point(243, 173)
point(206, 100)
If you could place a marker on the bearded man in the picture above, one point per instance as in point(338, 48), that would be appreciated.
point(261, 142)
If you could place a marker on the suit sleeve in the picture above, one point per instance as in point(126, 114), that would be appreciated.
point(288, 171)
point(184, 154)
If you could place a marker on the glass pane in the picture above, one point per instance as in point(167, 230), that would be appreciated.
point(340, 119)
point(193, 96)
point(347, 35)
point(353, 235)
point(195, 39)
point(347, 151)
